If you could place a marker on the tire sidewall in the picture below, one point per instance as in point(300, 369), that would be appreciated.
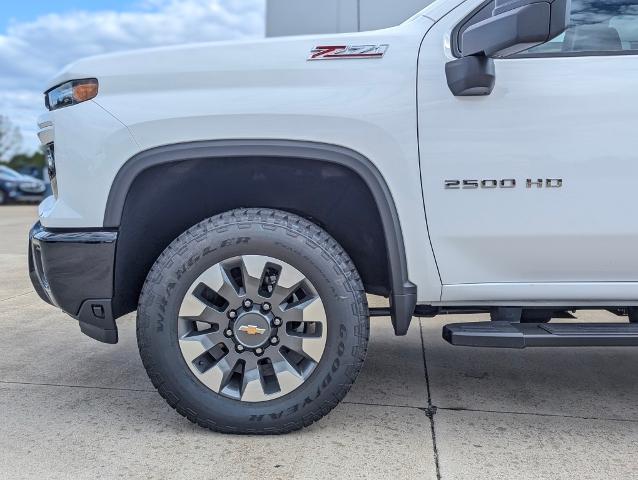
point(204, 246)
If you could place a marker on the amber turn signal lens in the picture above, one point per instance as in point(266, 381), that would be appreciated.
point(71, 93)
point(85, 91)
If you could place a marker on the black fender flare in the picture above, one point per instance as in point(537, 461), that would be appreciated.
point(403, 295)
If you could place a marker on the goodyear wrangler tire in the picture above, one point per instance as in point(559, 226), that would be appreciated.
point(253, 321)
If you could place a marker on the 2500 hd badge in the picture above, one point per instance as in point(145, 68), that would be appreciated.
point(504, 183)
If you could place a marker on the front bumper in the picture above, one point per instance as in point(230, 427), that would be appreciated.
point(73, 270)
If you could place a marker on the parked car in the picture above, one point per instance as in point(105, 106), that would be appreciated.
point(15, 187)
point(244, 198)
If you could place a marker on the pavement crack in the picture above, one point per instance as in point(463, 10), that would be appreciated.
point(431, 410)
point(370, 404)
point(435, 448)
point(16, 296)
point(536, 414)
point(90, 387)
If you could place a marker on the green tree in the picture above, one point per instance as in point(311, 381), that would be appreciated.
point(27, 163)
point(10, 139)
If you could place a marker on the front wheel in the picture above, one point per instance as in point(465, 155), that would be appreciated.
point(253, 321)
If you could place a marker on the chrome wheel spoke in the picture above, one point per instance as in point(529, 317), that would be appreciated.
point(232, 288)
point(254, 391)
point(294, 361)
point(194, 344)
point(208, 316)
point(253, 268)
point(297, 296)
point(305, 329)
point(203, 299)
point(288, 280)
point(203, 353)
point(196, 308)
point(289, 276)
point(232, 379)
point(286, 374)
point(195, 303)
point(192, 306)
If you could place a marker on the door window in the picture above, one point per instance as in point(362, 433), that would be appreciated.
point(598, 27)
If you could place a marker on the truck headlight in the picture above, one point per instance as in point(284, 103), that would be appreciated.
point(71, 93)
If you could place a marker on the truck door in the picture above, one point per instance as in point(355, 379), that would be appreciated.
point(530, 192)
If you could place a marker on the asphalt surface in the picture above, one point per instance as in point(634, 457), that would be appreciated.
point(71, 407)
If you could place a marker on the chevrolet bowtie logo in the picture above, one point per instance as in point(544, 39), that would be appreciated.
point(252, 330)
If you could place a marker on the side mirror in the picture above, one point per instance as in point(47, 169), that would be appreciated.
point(515, 25)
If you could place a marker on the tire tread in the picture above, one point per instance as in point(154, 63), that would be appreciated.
point(293, 225)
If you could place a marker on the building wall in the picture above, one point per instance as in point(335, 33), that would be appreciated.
point(298, 17)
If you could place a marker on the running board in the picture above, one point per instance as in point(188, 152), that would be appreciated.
point(522, 335)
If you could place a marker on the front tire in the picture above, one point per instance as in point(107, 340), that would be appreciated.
point(253, 321)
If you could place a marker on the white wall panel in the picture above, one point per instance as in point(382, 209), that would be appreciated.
point(298, 17)
point(374, 14)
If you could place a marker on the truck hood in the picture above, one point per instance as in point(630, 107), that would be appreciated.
point(195, 60)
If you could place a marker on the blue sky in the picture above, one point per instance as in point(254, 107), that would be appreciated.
point(25, 10)
point(39, 37)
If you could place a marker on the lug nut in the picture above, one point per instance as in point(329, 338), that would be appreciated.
point(266, 307)
point(228, 333)
point(274, 340)
point(232, 314)
point(276, 322)
point(240, 348)
point(248, 303)
point(259, 351)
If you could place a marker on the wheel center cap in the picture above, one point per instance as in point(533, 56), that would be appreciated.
point(252, 330)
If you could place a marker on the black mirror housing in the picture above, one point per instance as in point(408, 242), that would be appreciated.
point(471, 76)
point(516, 25)
point(560, 11)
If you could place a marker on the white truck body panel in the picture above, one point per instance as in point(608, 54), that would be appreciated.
point(258, 90)
point(566, 118)
point(561, 118)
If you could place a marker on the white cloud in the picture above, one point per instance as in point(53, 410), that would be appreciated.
point(31, 52)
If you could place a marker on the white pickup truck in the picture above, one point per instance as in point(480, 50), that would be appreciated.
point(244, 197)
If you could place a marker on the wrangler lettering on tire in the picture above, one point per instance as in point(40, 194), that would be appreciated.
point(253, 321)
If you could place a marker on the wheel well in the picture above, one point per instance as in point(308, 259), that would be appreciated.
point(165, 200)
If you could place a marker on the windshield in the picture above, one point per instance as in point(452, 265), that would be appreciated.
point(7, 172)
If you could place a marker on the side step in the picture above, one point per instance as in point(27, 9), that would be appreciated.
point(522, 335)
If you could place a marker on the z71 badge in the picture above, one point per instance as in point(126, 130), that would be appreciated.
point(336, 52)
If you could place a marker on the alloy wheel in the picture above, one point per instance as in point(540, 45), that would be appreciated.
point(252, 328)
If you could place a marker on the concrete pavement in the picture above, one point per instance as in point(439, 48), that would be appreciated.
point(71, 407)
